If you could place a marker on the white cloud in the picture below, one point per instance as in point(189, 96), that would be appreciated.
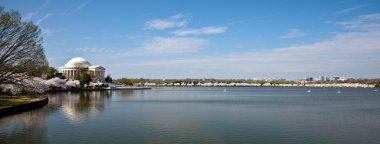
point(178, 16)
point(293, 33)
point(169, 45)
point(353, 53)
point(175, 21)
point(44, 18)
point(174, 45)
point(92, 50)
point(204, 30)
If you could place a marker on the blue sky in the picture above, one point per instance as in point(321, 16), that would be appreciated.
point(212, 39)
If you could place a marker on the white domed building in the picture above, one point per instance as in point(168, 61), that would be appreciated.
point(78, 65)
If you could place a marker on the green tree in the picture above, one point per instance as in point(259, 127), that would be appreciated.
point(84, 78)
point(124, 81)
point(377, 83)
point(51, 73)
point(59, 75)
point(21, 50)
point(108, 79)
point(131, 81)
point(261, 82)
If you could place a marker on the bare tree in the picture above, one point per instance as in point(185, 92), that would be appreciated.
point(21, 51)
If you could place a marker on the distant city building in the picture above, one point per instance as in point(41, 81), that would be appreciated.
point(324, 78)
point(309, 79)
point(78, 65)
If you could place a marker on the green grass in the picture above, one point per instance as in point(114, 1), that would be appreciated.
point(6, 101)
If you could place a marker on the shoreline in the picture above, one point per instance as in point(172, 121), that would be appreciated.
point(263, 87)
point(342, 85)
point(11, 110)
point(100, 89)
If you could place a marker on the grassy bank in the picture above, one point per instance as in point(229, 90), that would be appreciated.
point(6, 101)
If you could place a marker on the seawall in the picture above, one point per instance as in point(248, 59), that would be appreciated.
point(6, 111)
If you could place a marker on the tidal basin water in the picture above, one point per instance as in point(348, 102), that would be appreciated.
point(201, 115)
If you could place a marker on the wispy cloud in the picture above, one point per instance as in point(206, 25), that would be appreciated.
point(363, 22)
point(293, 33)
point(136, 37)
point(107, 37)
point(77, 8)
point(178, 20)
point(204, 30)
point(30, 15)
point(92, 50)
point(87, 37)
point(46, 16)
point(169, 45)
point(50, 32)
point(347, 10)
point(46, 32)
point(233, 22)
point(82, 5)
point(59, 57)
point(46, 3)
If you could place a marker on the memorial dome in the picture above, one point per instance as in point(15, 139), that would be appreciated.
point(77, 62)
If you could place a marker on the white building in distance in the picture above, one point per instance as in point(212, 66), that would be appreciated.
point(78, 65)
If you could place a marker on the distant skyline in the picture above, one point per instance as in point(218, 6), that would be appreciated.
point(213, 38)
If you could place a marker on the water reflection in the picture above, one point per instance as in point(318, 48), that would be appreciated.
point(125, 93)
point(27, 127)
point(31, 126)
point(77, 106)
point(199, 115)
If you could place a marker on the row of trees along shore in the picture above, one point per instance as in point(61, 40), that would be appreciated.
point(24, 69)
point(197, 82)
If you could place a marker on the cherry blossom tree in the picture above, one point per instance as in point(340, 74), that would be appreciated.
point(21, 52)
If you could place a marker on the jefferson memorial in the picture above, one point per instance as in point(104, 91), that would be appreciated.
point(78, 65)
